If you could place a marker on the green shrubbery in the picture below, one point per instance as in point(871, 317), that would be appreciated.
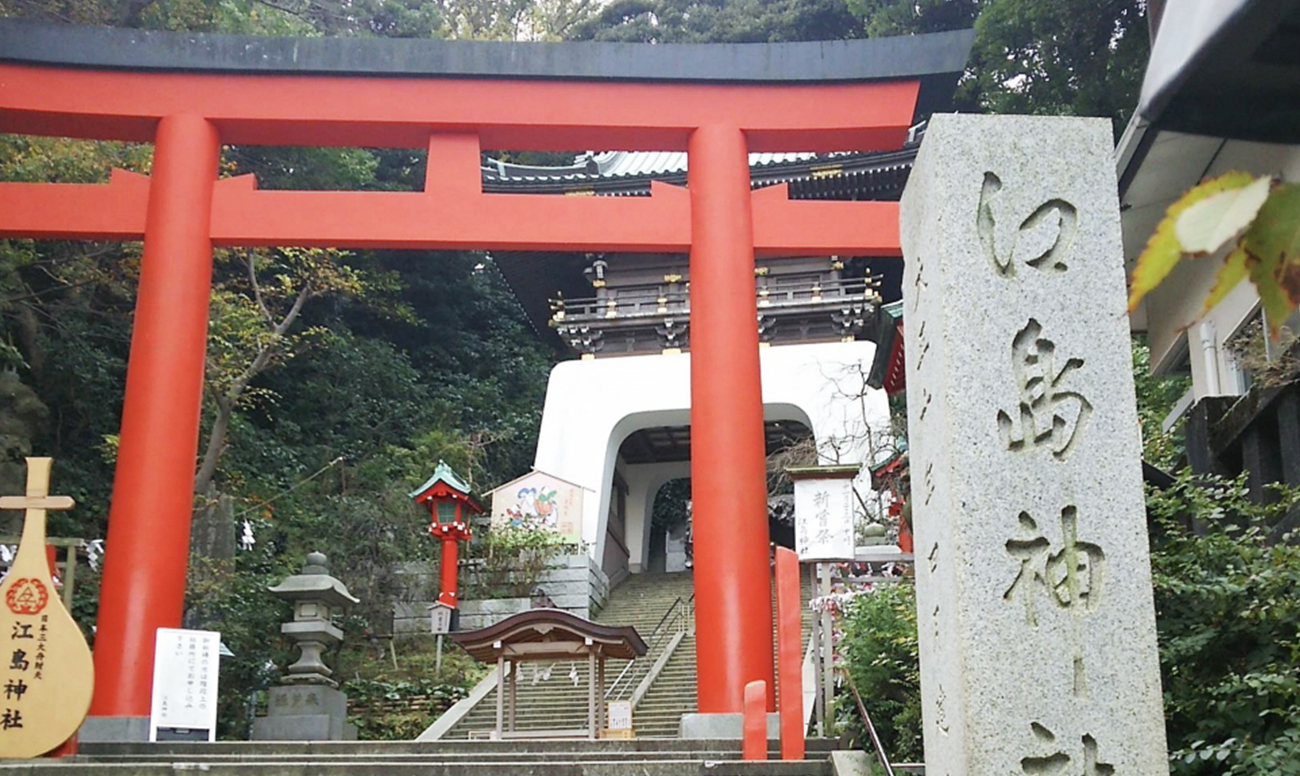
point(1228, 610)
point(880, 652)
point(509, 561)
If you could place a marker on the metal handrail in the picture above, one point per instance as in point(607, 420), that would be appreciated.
point(866, 718)
point(679, 611)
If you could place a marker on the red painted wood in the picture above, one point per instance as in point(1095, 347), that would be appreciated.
point(449, 570)
point(447, 217)
point(789, 654)
point(315, 110)
point(754, 742)
point(143, 586)
point(733, 582)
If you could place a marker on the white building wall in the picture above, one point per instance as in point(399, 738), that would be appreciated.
point(592, 406)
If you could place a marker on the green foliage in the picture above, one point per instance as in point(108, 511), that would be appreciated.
point(714, 21)
point(508, 561)
point(909, 17)
point(232, 597)
point(1156, 397)
point(879, 650)
point(1071, 57)
point(1228, 611)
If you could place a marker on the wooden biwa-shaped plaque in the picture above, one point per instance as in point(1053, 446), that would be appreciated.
point(46, 672)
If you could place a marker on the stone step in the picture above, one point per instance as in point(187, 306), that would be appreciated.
point(381, 749)
point(359, 767)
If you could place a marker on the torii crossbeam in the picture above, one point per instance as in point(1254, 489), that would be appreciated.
point(189, 94)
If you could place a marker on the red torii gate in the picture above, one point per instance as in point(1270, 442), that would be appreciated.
point(190, 94)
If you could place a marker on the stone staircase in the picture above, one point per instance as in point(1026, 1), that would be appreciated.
point(673, 692)
point(439, 758)
point(556, 702)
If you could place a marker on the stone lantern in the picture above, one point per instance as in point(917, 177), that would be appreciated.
point(309, 707)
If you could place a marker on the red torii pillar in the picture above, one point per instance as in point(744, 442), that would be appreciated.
point(144, 573)
point(733, 621)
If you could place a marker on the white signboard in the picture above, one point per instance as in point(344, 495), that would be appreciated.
point(539, 500)
point(185, 670)
point(823, 519)
point(620, 715)
point(440, 619)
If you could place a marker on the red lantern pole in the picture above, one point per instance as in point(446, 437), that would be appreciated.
point(449, 575)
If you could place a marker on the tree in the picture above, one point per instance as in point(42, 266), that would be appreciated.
point(1059, 57)
point(1073, 57)
point(719, 21)
point(251, 328)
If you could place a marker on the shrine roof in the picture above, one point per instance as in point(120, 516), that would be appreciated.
point(857, 175)
point(444, 474)
point(936, 59)
point(550, 634)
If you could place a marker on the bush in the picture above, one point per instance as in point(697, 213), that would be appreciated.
point(509, 561)
point(879, 651)
point(1228, 611)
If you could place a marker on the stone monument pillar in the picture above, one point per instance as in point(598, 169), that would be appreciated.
point(309, 706)
point(1037, 629)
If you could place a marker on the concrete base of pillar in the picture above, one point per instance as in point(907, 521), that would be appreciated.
point(724, 726)
point(113, 730)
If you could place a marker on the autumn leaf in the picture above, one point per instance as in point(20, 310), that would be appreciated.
point(1208, 225)
point(1163, 249)
point(1234, 270)
point(1273, 243)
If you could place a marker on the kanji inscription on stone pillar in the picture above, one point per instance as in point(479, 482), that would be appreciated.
point(1038, 646)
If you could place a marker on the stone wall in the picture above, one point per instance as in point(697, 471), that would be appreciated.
point(571, 582)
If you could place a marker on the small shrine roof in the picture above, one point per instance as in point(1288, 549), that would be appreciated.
point(444, 474)
point(888, 370)
point(523, 477)
point(546, 634)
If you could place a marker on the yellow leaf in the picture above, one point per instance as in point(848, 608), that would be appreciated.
point(1264, 274)
point(1208, 225)
point(1163, 250)
point(1233, 271)
point(1273, 242)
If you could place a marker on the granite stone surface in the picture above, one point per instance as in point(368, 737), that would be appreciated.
point(1037, 628)
point(304, 713)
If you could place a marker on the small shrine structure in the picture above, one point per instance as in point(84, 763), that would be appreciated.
point(549, 635)
point(447, 497)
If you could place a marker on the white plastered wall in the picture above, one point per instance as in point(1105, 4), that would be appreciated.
point(592, 406)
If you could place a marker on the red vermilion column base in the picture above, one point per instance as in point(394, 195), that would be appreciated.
point(789, 662)
point(754, 744)
point(148, 542)
point(733, 580)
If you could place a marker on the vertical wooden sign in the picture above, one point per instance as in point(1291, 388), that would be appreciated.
point(46, 673)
